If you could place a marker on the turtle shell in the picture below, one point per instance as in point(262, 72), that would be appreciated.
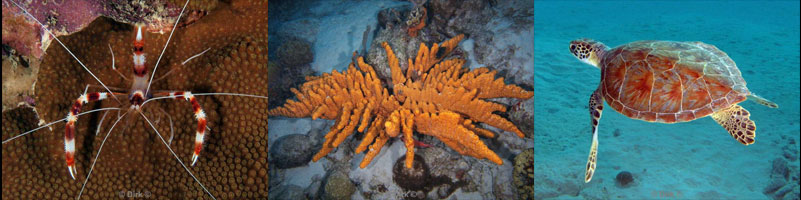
point(668, 82)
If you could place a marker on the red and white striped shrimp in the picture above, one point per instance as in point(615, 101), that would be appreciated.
point(141, 94)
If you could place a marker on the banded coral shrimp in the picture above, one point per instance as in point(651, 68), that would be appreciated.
point(135, 161)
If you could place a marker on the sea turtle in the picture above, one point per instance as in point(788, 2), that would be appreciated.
point(667, 82)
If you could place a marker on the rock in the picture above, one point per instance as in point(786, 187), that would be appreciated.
point(784, 181)
point(774, 185)
point(292, 151)
point(783, 193)
point(790, 151)
point(313, 190)
point(795, 194)
point(419, 180)
point(338, 186)
point(392, 16)
point(22, 33)
point(779, 168)
point(453, 16)
point(287, 192)
point(403, 46)
point(294, 52)
point(19, 76)
point(283, 78)
point(375, 180)
point(522, 113)
point(477, 19)
point(623, 179)
point(292, 63)
point(411, 178)
point(524, 174)
point(304, 28)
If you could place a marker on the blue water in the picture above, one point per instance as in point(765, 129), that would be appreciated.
point(692, 160)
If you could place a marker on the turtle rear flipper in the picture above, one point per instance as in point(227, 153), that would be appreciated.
point(596, 109)
point(763, 101)
point(735, 119)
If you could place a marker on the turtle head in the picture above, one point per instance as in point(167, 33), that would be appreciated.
point(588, 51)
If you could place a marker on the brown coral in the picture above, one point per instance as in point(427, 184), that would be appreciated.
point(435, 100)
point(234, 160)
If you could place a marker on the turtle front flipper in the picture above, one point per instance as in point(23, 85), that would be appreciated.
point(735, 119)
point(763, 101)
point(596, 109)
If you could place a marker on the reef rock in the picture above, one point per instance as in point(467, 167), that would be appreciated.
point(392, 31)
point(64, 18)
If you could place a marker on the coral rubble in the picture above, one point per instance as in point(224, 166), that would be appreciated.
point(435, 98)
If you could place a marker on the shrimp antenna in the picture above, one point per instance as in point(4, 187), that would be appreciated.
point(147, 91)
point(97, 156)
point(176, 156)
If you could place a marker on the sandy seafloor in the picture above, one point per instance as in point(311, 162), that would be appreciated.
point(693, 160)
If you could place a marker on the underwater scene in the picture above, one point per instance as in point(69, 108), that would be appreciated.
point(401, 99)
point(122, 100)
point(671, 107)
